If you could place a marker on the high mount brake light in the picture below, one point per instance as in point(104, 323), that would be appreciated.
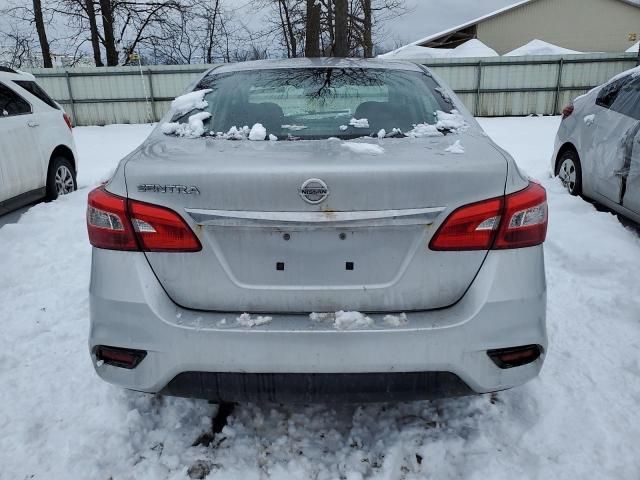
point(517, 220)
point(115, 223)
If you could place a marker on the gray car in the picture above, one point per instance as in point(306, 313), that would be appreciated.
point(596, 153)
point(318, 230)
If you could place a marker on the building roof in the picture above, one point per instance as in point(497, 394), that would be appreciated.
point(508, 8)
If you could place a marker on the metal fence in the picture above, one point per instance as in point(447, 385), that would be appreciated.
point(499, 86)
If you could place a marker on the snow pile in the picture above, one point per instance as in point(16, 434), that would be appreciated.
point(364, 148)
point(471, 48)
point(190, 101)
point(344, 128)
point(424, 130)
point(452, 122)
point(359, 123)
point(455, 148)
point(235, 133)
point(273, 138)
point(295, 128)
point(540, 47)
point(351, 320)
point(194, 128)
point(246, 320)
point(589, 119)
point(633, 49)
point(381, 134)
point(396, 320)
point(258, 133)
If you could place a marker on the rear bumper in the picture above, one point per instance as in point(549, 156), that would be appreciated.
point(445, 350)
point(317, 387)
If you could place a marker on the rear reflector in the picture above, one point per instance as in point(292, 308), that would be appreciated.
point(115, 223)
point(514, 221)
point(515, 357)
point(120, 357)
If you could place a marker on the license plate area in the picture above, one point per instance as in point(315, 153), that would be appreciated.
point(319, 258)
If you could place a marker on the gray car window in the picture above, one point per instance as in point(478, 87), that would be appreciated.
point(11, 103)
point(34, 89)
point(627, 100)
point(316, 103)
point(609, 92)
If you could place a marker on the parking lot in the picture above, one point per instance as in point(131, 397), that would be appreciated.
point(579, 419)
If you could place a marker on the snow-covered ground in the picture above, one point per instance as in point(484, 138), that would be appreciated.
point(579, 419)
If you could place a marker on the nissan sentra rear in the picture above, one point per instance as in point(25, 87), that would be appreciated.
point(318, 230)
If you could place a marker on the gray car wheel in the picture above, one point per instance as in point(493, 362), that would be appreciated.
point(569, 172)
point(61, 179)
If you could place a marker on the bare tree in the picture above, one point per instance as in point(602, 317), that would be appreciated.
point(341, 22)
point(312, 41)
point(93, 32)
point(108, 36)
point(42, 34)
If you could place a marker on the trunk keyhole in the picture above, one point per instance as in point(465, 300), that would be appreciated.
point(343, 236)
point(286, 237)
point(349, 266)
point(280, 266)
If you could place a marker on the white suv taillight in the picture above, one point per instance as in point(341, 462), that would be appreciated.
point(116, 223)
point(517, 220)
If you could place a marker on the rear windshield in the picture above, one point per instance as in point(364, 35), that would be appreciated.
point(317, 103)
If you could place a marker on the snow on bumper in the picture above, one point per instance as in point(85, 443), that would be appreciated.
point(504, 307)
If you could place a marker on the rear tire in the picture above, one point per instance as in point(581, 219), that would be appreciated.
point(569, 171)
point(61, 178)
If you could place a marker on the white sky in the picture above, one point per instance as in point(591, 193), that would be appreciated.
point(425, 17)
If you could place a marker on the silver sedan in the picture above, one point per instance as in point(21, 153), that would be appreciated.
point(596, 150)
point(318, 230)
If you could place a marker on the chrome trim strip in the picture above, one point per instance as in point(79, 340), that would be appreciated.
point(321, 219)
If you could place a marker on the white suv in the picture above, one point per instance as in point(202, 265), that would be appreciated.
point(37, 152)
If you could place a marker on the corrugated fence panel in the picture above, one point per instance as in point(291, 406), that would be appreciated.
point(496, 86)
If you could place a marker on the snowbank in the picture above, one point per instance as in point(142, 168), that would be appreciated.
point(540, 47)
point(633, 49)
point(471, 48)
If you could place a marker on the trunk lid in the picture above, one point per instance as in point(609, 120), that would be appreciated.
point(364, 248)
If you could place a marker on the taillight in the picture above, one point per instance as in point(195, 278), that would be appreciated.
point(67, 120)
point(472, 227)
point(115, 223)
point(107, 222)
point(161, 230)
point(517, 220)
point(567, 111)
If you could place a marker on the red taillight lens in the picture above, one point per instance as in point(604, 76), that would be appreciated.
point(115, 223)
point(161, 230)
point(67, 120)
point(567, 111)
point(472, 227)
point(515, 221)
point(107, 222)
point(525, 219)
